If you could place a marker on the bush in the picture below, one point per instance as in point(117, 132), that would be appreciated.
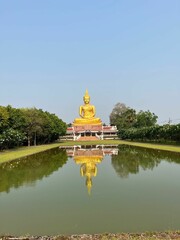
point(161, 133)
point(11, 138)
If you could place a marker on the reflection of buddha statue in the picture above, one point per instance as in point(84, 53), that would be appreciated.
point(89, 170)
point(88, 161)
point(87, 113)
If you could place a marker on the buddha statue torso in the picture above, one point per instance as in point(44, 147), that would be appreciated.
point(87, 113)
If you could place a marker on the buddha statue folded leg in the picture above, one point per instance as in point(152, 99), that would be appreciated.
point(83, 121)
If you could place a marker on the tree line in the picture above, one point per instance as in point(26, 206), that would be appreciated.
point(142, 125)
point(28, 126)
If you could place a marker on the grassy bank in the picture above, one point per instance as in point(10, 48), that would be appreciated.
point(26, 151)
point(122, 236)
point(118, 142)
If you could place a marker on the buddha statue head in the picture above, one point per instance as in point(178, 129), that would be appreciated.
point(86, 97)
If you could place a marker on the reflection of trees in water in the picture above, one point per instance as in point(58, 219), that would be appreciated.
point(130, 159)
point(30, 169)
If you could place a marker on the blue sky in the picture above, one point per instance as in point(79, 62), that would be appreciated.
point(121, 50)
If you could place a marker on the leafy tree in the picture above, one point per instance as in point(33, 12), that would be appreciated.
point(4, 118)
point(128, 119)
point(33, 124)
point(59, 127)
point(117, 112)
point(53, 127)
point(122, 116)
point(16, 118)
point(146, 119)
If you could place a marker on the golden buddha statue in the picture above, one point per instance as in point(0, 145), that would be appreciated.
point(87, 113)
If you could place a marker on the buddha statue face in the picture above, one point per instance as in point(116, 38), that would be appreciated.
point(86, 99)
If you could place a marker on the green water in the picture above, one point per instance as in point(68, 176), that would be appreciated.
point(134, 191)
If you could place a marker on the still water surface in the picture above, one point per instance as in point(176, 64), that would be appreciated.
point(124, 189)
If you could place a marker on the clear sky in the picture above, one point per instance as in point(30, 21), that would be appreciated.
point(121, 50)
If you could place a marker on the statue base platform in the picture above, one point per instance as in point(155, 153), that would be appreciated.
point(87, 124)
point(88, 127)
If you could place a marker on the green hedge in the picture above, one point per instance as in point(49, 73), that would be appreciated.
point(165, 132)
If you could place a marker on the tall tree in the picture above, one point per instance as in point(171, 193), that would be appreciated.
point(128, 119)
point(33, 125)
point(4, 118)
point(122, 116)
point(17, 119)
point(146, 119)
point(53, 127)
point(117, 112)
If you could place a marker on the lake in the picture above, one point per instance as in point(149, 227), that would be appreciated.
point(93, 189)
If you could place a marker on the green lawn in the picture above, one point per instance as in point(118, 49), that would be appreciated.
point(26, 151)
point(118, 142)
